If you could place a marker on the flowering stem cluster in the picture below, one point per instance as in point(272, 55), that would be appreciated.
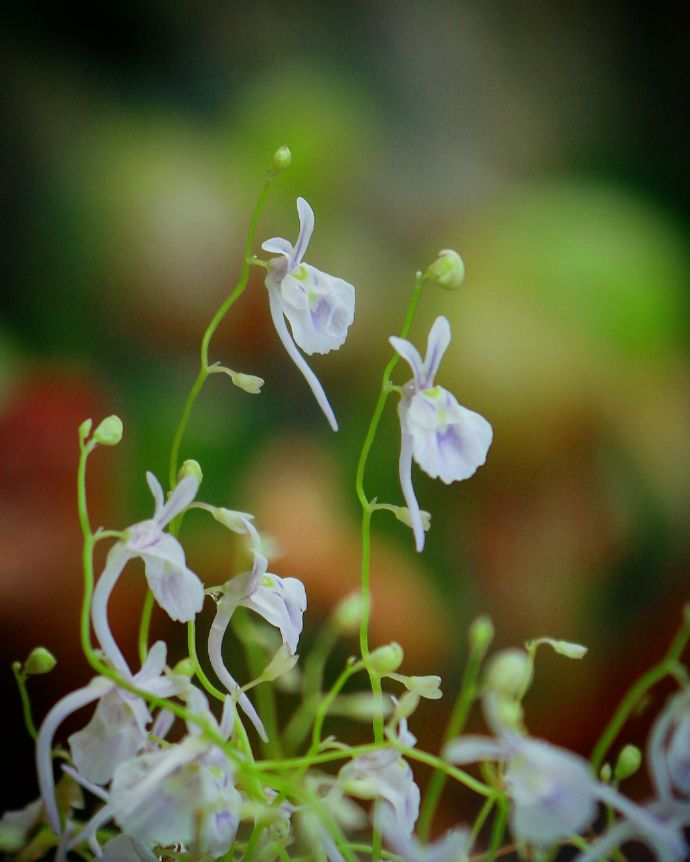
point(167, 765)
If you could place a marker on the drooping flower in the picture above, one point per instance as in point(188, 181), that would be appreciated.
point(554, 793)
point(319, 307)
point(176, 588)
point(116, 732)
point(280, 601)
point(448, 441)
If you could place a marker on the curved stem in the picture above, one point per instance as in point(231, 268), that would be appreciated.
point(656, 673)
point(204, 371)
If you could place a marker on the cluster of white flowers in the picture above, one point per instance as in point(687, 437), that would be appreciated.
point(167, 777)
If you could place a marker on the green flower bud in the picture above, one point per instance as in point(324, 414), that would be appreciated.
point(85, 429)
point(387, 659)
point(402, 513)
point(447, 271)
point(282, 159)
point(629, 761)
point(347, 614)
point(109, 432)
point(281, 663)
point(425, 686)
point(481, 633)
point(40, 661)
point(190, 467)
point(605, 773)
point(185, 667)
point(564, 648)
point(509, 673)
point(406, 705)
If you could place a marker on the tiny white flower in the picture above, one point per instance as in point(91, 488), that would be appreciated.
point(448, 441)
point(280, 601)
point(176, 588)
point(319, 307)
point(669, 747)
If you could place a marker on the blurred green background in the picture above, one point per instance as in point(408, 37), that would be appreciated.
point(543, 141)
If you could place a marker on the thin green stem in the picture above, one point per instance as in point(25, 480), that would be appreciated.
point(325, 704)
point(665, 667)
point(466, 697)
point(20, 676)
point(498, 829)
point(145, 626)
point(367, 505)
point(481, 819)
point(204, 371)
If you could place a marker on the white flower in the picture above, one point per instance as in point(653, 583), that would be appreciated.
point(320, 307)
point(554, 793)
point(448, 441)
point(383, 775)
point(181, 794)
point(280, 601)
point(117, 730)
point(176, 589)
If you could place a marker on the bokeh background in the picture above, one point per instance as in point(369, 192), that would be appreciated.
point(543, 141)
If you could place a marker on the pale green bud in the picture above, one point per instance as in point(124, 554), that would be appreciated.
point(481, 633)
point(281, 663)
point(406, 705)
point(509, 673)
point(564, 648)
point(249, 383)
point(282, 159)
point(362, 788)
point(424, 686)
point(505, 712)
point(109, 432)
point(387, 659)
point(447, 271)
point(629, 761)
point(40, 661)
point(402, 513)
point(190, 467)
point(605, 773)
point(362, 706)
point(85, 429)
point(185, 667)
point(348, 613)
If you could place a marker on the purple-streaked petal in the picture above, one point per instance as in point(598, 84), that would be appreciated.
point(405, 473)
point(122, 848)
point(282, 604)
point(176, 589)
point(115, 562)
point(306, 228)
point(153, 666)
point(411, 355)
point(319, 307)
point(436, 346)
point(472, 749)
point(44, 741)
point(297, 358)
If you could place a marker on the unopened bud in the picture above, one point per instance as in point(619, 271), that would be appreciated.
point(40, 661)
point(185, 667)
point(424, 686)
point(190, 467)
point(85, 429)
point(509, 673)
point(564, 648)
point(605, 773)
point(447, 271)
point(282, 159)
point(402, 513)
point(387, 659)
point(348, 613)
point(109, 432)
point(406, 705)
point(481, 633)
point(629, 761)
point(282, 662)
point(249, 383)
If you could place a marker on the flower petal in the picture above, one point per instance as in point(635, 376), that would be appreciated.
point(320, 308)
point(180, 497)
point(436, 346)
point(278, 245)
point(405, 473)
point(115, 562)
point(306, 228)
point(176, 589)
point(157, 491)
point(472, 749)
point(297, 358)
point(410, 354)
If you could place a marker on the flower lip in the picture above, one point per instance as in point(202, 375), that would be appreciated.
point(143, 535)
